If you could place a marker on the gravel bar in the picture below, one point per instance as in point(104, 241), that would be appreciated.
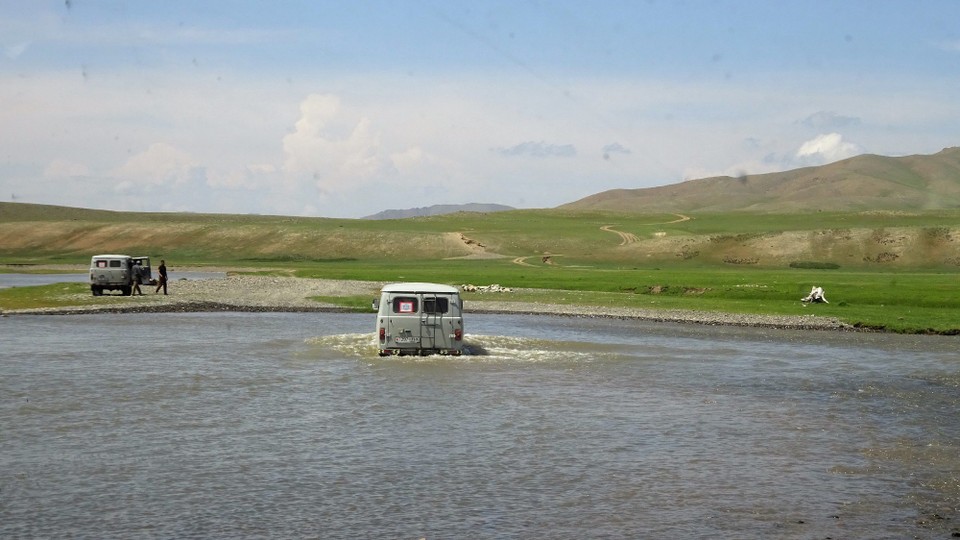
point(247, 293)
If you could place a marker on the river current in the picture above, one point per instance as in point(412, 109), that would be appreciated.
point(277, 425)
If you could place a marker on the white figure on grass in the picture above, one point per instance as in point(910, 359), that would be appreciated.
point(815, 296)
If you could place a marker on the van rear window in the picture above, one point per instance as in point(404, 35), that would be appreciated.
point(405, 304)
point(411, 304)
point(101, 264)
point(115, 264)
point(436, 305)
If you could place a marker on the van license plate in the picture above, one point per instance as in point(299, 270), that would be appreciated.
point(411, 339)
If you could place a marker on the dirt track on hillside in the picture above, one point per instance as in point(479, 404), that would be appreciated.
point(625, 238)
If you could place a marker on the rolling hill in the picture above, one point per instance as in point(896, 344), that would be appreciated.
point(867, 212)
point(866, 182)
point(438, 210)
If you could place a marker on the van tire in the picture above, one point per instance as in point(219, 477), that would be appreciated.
point(97, 291)
point(125, 291)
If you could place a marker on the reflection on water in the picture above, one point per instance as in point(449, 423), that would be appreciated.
point(290, 425)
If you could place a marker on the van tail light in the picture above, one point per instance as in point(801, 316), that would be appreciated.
point(383, 333)
point(458, 334)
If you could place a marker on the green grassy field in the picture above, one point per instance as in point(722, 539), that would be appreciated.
point(885, 270)
point(912, 302)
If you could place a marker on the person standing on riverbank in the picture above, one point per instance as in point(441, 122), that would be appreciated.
point(137, 278)
point(162, 277)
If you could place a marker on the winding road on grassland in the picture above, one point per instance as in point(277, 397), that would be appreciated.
point(625, 238)
point(630, 238)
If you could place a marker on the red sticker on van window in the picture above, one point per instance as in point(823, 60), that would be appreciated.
point(406, 307)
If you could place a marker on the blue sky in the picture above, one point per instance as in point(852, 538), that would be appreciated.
point(344, 109)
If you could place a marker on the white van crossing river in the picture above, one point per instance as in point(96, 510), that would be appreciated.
point(419, 319)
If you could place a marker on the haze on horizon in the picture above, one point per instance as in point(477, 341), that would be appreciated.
point(347, 109)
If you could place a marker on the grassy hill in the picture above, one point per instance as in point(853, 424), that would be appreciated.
point(437, 210)
point(867, 182)
point(879, 240)
point(868, 212)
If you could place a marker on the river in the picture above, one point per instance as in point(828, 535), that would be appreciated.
point(8, 280)
point(288, 425)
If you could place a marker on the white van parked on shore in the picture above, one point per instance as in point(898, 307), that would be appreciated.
point(117, 272)
point(419, 319)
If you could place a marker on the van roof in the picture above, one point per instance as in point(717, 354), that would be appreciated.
point(111, 256)
point(419, 287)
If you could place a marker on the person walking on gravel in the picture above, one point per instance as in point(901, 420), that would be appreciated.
point(162, 278)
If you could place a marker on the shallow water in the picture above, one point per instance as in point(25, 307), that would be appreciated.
point(289, 425)
point(29, 280)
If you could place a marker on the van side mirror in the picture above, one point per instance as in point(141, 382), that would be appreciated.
point(376, 304)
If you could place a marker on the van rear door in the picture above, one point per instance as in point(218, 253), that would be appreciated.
point(434, 308)
point(146, 274)
point(404, 321)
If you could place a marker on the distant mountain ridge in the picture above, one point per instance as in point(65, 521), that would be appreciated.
point(439, 210)
point(866, 182)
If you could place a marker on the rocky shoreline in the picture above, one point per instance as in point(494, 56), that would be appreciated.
point(247, 293)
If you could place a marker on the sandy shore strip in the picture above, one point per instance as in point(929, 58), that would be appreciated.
point(288, 294)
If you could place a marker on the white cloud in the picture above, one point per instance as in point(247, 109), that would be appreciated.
point(826, 148)
point(829, 120)
point(762, 158)
point(159, 164)
point(538, 149)
point(260, 145)
point(249, 177)
point(61, 168)
point(409, 159)
point(614, 148)
point(15, 50)
point(335, 147)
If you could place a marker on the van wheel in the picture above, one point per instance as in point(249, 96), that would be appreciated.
point(125, 291)
point(97, 291)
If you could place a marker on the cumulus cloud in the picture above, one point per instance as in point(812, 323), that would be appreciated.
point(820, 150)
point(538, 149)
point(829, 120)
point(333, 146)
point(159, 164)
point(826, 148)
point(249, 177)
point(409, 159)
